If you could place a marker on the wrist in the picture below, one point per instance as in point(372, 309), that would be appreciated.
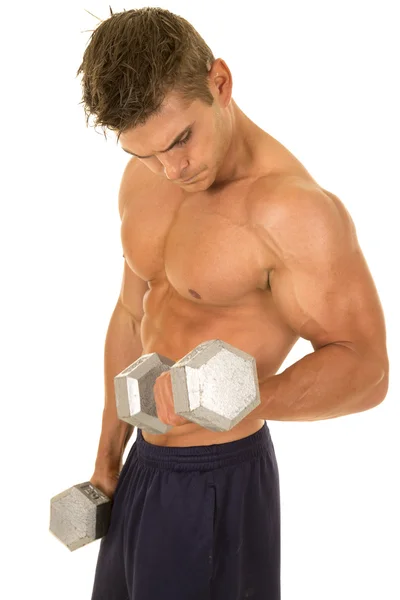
point(104, 468)
point(108, 461)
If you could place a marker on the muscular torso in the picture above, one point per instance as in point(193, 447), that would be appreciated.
point(208, 275)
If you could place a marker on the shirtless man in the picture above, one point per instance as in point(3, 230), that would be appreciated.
point(253, 251)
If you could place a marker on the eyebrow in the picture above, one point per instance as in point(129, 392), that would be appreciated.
point(176, 140)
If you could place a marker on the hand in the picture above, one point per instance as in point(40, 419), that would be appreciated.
point(106, 482)
point(164, 399)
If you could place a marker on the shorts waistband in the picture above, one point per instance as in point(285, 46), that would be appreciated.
point(203, 458)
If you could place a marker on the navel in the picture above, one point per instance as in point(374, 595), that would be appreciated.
point(195, 294)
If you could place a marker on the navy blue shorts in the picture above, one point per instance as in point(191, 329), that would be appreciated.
point(194, 523)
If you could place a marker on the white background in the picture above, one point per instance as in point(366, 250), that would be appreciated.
point(319, 76)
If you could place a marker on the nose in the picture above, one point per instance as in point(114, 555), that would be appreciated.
point(175, 172)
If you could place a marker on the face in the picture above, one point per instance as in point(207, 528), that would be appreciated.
point(198, 153)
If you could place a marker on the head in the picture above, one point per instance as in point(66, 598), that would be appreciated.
point(148, 76)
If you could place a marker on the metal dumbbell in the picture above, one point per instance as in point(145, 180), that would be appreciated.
point(80, 515)
point(215, 385)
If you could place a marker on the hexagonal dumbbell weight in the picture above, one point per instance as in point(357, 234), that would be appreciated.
point(80, 515)
point(215, 385)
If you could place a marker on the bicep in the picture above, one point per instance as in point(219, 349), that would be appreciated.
point(331, 301)
point(322, 285)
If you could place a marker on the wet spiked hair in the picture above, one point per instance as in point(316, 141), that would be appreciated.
point(134, 59)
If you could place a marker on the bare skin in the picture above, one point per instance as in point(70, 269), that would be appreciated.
point(206, 281)
point(208, 269)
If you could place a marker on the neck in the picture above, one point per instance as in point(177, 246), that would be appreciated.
point(239, 157)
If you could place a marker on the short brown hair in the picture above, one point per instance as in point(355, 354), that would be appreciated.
point(137, 57)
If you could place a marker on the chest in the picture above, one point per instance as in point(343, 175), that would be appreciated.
point(203, 245)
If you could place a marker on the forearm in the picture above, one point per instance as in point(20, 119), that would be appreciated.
point(122, 347)
point(331, 382)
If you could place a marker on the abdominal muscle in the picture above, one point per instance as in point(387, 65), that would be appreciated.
point(192, 434)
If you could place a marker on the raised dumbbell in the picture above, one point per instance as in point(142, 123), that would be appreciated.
point(215, 385)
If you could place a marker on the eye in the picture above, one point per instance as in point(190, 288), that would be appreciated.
point(185, 140)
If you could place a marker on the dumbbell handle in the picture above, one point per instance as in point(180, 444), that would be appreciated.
point(147, 419)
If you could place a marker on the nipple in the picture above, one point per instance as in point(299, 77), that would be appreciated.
point(195, 294)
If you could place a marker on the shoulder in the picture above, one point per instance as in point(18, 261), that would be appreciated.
point(295, 216)
point(129, 181)
point(283, 195)
point(137, 182)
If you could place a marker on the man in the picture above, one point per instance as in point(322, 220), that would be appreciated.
point(225, 236)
